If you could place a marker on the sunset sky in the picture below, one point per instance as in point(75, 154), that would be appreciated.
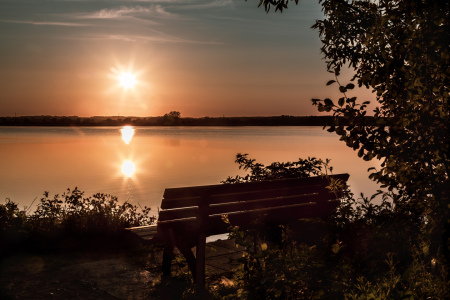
point(202, 58)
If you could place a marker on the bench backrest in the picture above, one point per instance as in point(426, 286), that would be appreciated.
point(200, 209)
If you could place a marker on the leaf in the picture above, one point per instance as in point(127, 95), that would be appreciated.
point(331, 82)
point(351, 100)
point(366, 78)
point(263, 246)
point(335, 248)
point(417, 82)
point(361, 152)
point(328, 102)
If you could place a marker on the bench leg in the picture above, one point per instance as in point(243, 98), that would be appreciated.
point(201, 248)
point(168, 256)
point(167, 260)
point(188, 255)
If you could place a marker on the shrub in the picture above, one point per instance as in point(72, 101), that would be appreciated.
point(70, 220)
point(12, 224)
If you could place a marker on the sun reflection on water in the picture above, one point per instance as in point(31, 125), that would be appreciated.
point(127, 133)
point(128, 168)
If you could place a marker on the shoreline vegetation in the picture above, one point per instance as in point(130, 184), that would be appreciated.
point(363, 251)
point(69, 221)
point(169, 120)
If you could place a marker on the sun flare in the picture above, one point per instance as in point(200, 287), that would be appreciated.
point(129, 89)
point(127, 80)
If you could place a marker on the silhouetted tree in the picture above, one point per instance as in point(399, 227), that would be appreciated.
point(171, 118)
point(174, 114)
point(399, 50)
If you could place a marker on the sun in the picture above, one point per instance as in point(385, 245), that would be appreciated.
point(127, 80)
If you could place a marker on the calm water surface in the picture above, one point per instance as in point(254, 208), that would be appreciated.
point(98, 159)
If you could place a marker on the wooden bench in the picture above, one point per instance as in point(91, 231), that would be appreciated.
point(189, 214)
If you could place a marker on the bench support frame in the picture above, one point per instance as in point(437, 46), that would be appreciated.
point(192, 206)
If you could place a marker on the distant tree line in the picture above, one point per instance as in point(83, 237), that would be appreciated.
point(172, 119)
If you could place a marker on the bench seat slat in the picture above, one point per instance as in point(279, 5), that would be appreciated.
point(245, 205)
point(277, 215)
point(272, 193)
point(284, 214)
point(186, 192)
point(168, 203)
point(145, 232)
point(270, 203)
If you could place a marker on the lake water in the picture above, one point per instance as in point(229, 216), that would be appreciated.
point(97, 159)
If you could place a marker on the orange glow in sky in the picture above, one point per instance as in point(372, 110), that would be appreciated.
point(147, 58)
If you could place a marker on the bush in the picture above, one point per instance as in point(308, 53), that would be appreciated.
point(12, 224)
point(70, 220)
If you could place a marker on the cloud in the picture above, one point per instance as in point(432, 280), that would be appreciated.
point(127, 11)
point(44, 23)
point(156, 9)
point(157, 37)
point(119, 12)
point(210, 4)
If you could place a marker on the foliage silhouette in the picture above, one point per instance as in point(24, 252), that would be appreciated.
point(399, 50)
point(70, 221)
point(277, 170)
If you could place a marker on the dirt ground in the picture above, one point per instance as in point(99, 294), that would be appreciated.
point(75, 276)
point(126, 275)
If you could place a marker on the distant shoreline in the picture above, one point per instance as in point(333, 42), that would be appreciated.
point(283, 120)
